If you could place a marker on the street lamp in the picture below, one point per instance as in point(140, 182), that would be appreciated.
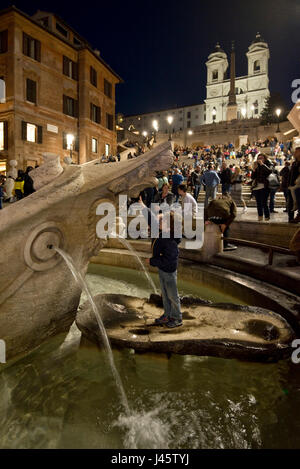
point(278, 112)
point(244, 112)
point(214, 114)
point(170, 122)
point(70, 143)
point(155, 127)
point(145, 133)
point(190, 132)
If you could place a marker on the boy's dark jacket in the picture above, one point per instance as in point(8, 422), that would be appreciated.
point(165, 254)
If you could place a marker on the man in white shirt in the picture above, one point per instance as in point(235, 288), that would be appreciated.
point(187, 199)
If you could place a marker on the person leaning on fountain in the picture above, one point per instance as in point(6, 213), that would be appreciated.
point(222, 211)
point(165, 257)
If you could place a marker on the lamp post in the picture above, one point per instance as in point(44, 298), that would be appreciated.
point(155, 127)
point(278, 112)
point(252, 109)
point(70, 143)
point(170, 122)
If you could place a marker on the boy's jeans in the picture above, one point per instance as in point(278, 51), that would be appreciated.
point(170, 297)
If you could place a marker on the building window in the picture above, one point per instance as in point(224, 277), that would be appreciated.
point(107, 88)
point(215, 75)
point(3, 41)
point(2, 90)
point(257, 66)
point(95, 114)
point(188, 115)
point(31, 47)
point(94, 145)
point(62, 30)
point(3, 136)
point(66, 141)
point(93, 76)
point(107, 149)
point(70, 68)
point(70, 106)
point(31, 91)
point(109, 121)
point(188, 124)
point(32, 133)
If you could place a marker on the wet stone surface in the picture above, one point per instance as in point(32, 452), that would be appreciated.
point(209, 329)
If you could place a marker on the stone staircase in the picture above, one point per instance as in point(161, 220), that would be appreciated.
point(279, 198)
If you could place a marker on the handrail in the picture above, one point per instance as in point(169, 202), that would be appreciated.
point(255, 244)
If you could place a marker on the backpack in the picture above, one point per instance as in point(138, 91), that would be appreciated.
point(274, 182)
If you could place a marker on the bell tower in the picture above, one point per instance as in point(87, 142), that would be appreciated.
point(258, 56)
point(217, 65)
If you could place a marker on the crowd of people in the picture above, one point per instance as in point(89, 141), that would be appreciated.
point(12, 190)
point(232, 169)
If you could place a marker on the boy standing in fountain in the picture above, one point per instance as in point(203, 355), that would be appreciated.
point(165, 256)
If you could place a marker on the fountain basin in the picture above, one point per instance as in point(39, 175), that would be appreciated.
point(209, 329)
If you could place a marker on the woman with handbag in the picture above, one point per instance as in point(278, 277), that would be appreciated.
point(260, 187)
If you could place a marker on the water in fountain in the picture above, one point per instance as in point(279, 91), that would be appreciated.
point(81, 281)
point(142, 430)
point(128, 246)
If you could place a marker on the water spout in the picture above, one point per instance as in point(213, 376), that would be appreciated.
point(82, 283)
point(128, 246)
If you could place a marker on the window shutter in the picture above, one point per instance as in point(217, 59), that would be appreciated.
point(25, 44)
point(65, 146)
point(91, 111)
point(75, 108)
point(40, 134)
point(77, 143)
point(98, 115)
point(65, 104)
point(65, 65)
point(5, 135)
point(24, 130)
point(31, 90)
point(37, 50)
point(75, 71)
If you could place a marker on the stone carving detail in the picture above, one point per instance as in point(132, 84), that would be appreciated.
point(50, 170)
point(41, 297)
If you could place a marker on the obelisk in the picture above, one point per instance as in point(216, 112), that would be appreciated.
point(232, 105)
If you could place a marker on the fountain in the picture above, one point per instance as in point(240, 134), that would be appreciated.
point(39, 296)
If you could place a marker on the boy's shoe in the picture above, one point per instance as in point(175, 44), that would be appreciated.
point(174, 323)
point(162, 320)
point(230, 247)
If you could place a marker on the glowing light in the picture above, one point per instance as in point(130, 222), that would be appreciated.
point(70, 141)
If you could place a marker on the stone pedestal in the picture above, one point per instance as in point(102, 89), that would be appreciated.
point(231, 112)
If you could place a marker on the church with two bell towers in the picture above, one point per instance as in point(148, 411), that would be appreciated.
point(250, 91)
point(227, 98)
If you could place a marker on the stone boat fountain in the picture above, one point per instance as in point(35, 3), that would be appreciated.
point(39, 297)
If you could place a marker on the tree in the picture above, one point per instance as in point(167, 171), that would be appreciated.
point(273, 102)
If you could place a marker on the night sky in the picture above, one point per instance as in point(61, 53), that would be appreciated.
point(159, 48)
